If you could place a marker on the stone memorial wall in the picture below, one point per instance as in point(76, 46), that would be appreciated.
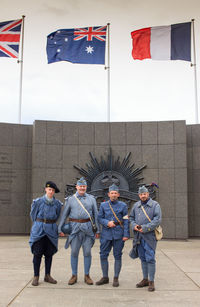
point(48, 150)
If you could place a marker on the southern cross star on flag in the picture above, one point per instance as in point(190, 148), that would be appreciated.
point(171, 42)
point(10, 38)
point(78, 45)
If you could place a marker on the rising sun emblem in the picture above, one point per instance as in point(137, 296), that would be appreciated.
point(101, 174)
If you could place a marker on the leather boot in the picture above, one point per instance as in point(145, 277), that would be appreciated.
point(115, 282)
point(151, 286)
point(102, 281)
point(50, 279)
point(35, 281)
point(142, 283)
point(72, 280)
point(88, 280)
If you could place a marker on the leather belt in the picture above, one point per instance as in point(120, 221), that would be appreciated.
point(46, 221)
point(79, 220)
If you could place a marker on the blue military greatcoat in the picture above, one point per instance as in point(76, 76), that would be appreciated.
point(74, 210)
point(137, 217)
point(43, 209)
point(106, 215)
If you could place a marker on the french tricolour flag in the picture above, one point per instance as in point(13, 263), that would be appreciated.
point(163, 43)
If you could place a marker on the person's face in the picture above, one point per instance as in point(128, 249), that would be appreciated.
point(144, 196)
point(49, 192)
point(81, 189)
point(113, 195)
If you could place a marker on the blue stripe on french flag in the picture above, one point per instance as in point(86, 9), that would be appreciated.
point(181, 41)
point(163, 43)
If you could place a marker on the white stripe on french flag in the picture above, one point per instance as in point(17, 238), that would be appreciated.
point(163, 43)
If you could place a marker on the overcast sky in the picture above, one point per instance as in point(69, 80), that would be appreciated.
point(140, 90)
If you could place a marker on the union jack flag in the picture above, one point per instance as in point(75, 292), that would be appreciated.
point(10, 38)
point(78, 45)
point(90, 32)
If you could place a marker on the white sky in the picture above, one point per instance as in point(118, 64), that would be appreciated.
point(140, 90)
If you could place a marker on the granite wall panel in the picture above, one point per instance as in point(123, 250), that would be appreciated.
point(54, 133)
point(181, 228)
point(165, 133)
point(54, 156)
point(86, 133)
point(15, 176)
point(150, 155)
point(179, 132)
point(165, 156)
point(39, 132)
point(118, 134)
point(70, 133)
point(134, 133)
point(149, 133)
point(193, 178)
point(102, 134)
point(136, 153)
point(167, 202)
point(169, 227)
point(180, 156)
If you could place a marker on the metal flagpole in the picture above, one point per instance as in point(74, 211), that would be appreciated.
point(108, 75)
point(21, 70)
point(195, 75)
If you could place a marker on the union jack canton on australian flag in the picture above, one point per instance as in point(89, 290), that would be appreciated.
point(10, 38)
point(78, 45)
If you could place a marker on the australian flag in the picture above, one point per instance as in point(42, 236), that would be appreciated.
point(10, 38)
point(78, 45)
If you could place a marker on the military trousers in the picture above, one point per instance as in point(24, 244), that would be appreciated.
point(107, 245)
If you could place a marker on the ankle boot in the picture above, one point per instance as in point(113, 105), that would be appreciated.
point(50, 279)
point(102, 281)
point(151, 286)
point(143, 283)
point(72, 280)
point(88, 280)
point(35, 281)
point(115, 282)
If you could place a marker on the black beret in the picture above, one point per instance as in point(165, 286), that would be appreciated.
point(51, 184)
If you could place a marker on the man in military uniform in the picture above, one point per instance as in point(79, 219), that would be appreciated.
point(82, 211)
point(145, 236)
point(113, 216)
point(45, 211)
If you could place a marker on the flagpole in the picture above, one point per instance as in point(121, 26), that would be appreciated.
point(21, 72)
point(195, 75)
point(108, 73)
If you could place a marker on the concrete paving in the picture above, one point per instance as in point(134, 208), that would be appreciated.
point(177, 278)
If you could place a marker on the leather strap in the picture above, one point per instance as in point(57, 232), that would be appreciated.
point(119, 222)
point(46, 221)
point(145, 213)
point(79, 220)
point(80, 203)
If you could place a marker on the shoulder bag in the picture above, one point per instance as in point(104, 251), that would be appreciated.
point(158, 229)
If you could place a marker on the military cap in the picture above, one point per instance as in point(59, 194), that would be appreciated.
point(113, 187)
point(81, 181)
point(143, 189)
point(51, 184)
